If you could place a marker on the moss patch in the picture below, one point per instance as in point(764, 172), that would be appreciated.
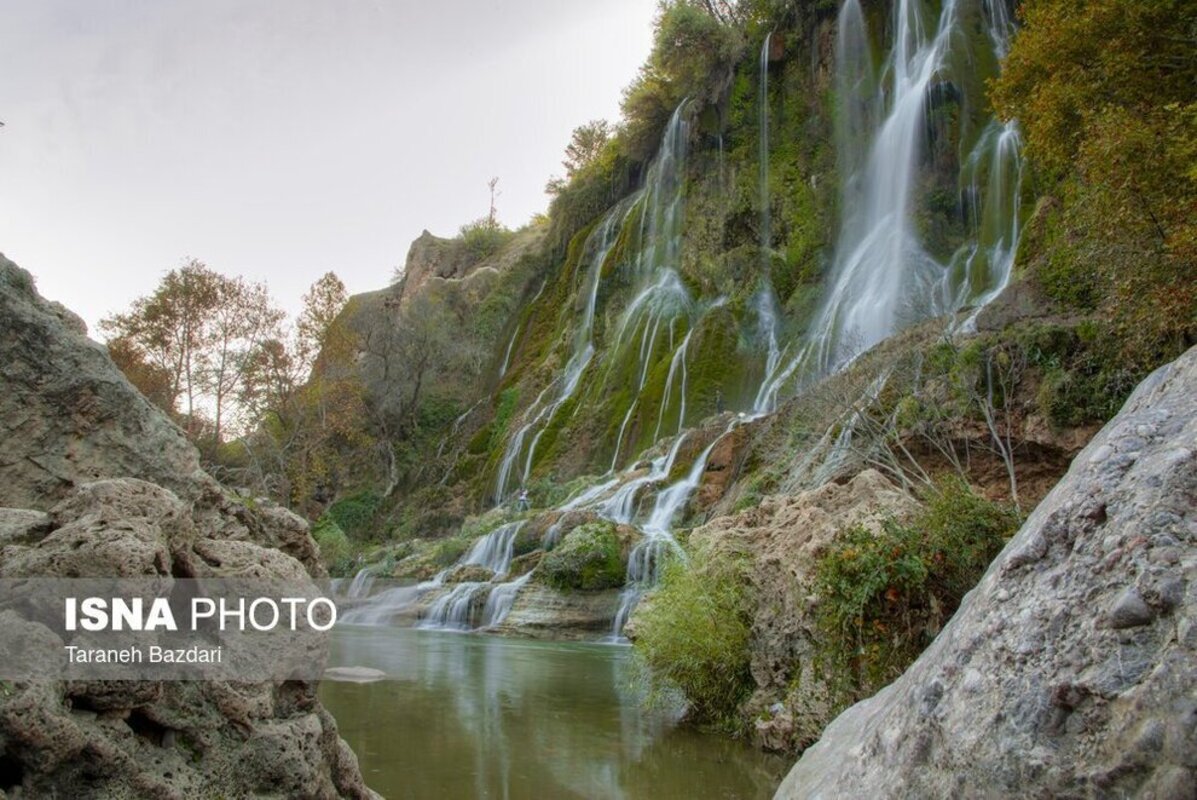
point(588, 558)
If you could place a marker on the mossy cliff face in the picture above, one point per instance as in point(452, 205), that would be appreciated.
point(650, 303)
point(631, 393)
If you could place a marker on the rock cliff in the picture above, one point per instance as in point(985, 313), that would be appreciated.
point(96, 482)
point(1068, 671)
point(785, 536)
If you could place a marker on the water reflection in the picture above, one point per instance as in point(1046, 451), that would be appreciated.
point(466, 716)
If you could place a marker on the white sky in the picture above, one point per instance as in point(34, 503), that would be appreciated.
point(279, 139)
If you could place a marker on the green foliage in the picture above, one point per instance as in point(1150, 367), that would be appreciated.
point(690, 46)
point(693, 634)
point(336, 551)
point(883, 595)
point(1083, 379)
point(598, 184)
point(588, 558)
point(355, 514)
point(448, 551)
point(508, 400)
point(482, 238)
point(1104, 92)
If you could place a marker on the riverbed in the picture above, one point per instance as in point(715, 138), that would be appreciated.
point(478, 716)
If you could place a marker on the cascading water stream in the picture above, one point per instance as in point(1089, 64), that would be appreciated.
point(501, 599)
point(507, 354)
point(883, 278)
point(763, 151)
point(657, 545)
point(599, 245)
point(458, 606)
point(766, 298)
point(361, 584)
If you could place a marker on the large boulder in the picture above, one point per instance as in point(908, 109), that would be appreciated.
point(588, 559)
point(68, 417)
point(160, 739)
point(67, 414)
point(1069, 670)
point(97, 482)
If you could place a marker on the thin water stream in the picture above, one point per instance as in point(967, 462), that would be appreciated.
point(488, 717)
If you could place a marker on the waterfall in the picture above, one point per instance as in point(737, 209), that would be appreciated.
point(649, 555)
point(670, 501)
point(598, 245)
point(883, 278)
point(361, 584)
point(384, 607)
point(494, 550)
point(766, 300)
point(882, 272)
point(620, 506)
point(501, 599)
point(766, 314)
point(515, 334)
point(992, 181)
point(457, 607)
point(507, 355)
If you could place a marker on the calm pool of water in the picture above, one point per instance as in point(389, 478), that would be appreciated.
point(465, 716)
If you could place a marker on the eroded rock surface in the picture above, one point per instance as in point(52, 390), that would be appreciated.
point(785, 536)
point(97, 482)
point(67, 414)
point(1069, 671)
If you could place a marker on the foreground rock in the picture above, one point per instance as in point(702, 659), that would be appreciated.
point(1069, 671)
point(67, 414)
point(99, 483)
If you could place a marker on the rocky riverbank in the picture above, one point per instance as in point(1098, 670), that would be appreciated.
point(96, 482)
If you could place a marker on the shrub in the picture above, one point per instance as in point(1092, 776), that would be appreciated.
point(449, 551)
point(884, 595)
point(335, 549)
point(482, 238)
point(588, 559)
point(1104, 92)
point(354, 515)
point(692, 635)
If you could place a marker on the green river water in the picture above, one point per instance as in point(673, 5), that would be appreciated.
point(475, 716)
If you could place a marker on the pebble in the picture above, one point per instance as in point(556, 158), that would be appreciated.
point(354, 674)
point(1130, 610)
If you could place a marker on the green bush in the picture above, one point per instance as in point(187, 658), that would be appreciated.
point(355, 514)
point(883, 596)
point(336, 551)
point(693, 635)
point(588, 558)
point(482, 238)
point(449, 551)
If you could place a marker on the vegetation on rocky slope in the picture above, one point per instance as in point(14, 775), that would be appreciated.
point(693, 637)
point(883, 596)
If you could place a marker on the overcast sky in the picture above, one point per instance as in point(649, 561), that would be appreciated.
point(279, 139)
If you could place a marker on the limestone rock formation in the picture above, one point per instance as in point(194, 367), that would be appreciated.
point(1069, 670)
point(96, 482)
point(785, 536)
point(543, 612)
point(67, 414)
point(161, 739)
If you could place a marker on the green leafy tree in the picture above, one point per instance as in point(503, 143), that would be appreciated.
point(169, 330)
point(1104, 92)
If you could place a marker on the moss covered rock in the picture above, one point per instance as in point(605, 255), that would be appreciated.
point(588, 558)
